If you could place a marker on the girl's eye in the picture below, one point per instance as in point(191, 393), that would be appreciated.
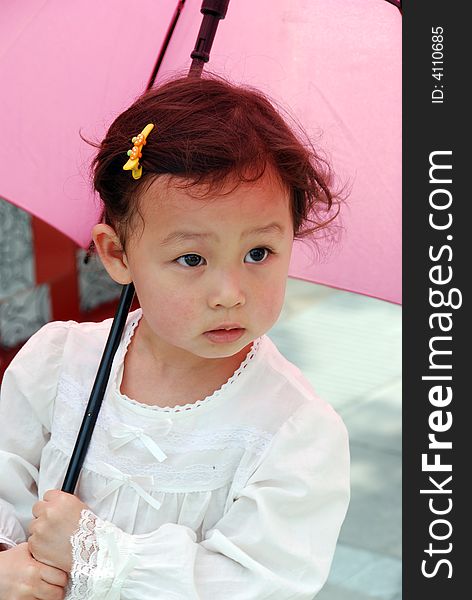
point(191, 260)
point(259, 254)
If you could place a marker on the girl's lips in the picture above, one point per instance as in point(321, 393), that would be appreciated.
point(223, 335)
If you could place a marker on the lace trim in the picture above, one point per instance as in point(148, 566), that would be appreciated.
point(227, 444)
point(177, 442)
point(76, 396)
point(84, 558)
point(96, 574)
point(166, 478)
point(179, 407)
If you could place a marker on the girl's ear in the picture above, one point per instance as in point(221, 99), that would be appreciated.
point(111, 253)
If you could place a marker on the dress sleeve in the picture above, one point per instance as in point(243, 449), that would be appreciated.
point(11, 532)
point(276, 541)
point(27, 398)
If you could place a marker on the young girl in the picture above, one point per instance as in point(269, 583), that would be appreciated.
point(214, 470)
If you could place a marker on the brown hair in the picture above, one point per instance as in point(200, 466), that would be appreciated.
point(208, 130)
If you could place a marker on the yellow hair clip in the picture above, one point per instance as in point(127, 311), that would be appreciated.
point(136, 152)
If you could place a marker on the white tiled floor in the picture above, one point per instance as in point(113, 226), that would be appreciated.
point(349, 347)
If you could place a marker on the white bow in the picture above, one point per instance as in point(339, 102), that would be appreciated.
point(124, 479)
point(123, 434)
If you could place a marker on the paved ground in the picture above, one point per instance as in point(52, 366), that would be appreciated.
point(349, 347)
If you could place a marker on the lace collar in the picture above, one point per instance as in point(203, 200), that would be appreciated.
point(244, 367)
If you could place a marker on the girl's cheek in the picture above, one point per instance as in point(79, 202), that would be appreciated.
point(169, 320)
point(166, 290)
point(274, 299)
point(177, 308)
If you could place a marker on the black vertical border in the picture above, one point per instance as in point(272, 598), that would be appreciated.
point(429, 127)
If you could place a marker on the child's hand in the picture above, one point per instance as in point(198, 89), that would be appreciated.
point(24, 578)
point(57, 518)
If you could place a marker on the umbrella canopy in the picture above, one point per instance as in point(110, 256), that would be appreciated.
point(335, 65)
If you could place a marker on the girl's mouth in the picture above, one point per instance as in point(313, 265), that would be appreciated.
point(225, 335)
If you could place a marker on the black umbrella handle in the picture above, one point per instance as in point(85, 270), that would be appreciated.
point(213, 11)
point(98, 390)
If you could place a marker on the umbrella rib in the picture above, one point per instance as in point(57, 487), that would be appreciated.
point(397, 3)
point(165, 44)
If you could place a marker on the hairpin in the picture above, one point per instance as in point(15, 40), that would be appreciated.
point(136, 152)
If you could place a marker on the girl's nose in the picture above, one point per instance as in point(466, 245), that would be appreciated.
point(227, 290)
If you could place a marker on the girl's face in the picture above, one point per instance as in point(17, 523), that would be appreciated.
point(202, 264)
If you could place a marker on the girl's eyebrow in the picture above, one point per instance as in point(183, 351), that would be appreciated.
point(180, 236)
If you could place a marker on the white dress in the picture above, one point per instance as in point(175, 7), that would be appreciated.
point(240, 495)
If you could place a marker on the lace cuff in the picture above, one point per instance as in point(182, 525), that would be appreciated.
point(102, 559)
point(84, 558)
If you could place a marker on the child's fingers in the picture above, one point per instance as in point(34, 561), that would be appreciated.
point(53, 576)
point(46, 591)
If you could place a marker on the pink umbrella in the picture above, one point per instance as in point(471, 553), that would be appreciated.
point(316, 49)
point(334, 64)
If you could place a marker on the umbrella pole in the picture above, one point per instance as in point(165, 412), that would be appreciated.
point(213, 11)
point(98, 390)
